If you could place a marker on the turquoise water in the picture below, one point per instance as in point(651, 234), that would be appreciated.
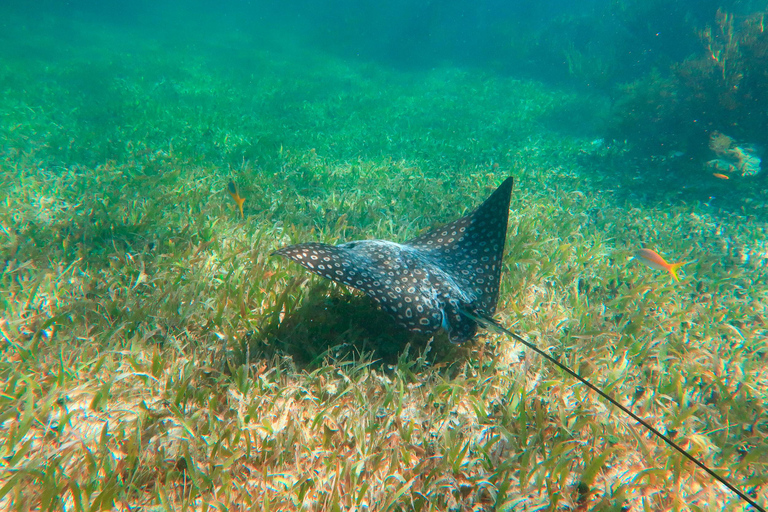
point(158, 355)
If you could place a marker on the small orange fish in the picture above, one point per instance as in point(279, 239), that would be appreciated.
point(654, 260)
point(236, 196)
point(721, 176)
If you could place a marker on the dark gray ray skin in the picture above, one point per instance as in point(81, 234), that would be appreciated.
point(425, 283)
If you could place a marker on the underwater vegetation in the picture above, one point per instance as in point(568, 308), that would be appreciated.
point(155, 356)
point(723, 87)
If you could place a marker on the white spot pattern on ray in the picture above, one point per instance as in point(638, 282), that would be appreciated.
point(424, 282)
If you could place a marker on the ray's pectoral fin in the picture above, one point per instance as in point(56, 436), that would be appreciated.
point(424, 283)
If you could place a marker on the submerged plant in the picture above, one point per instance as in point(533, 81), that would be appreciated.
point(721, 87)
point(154, 355)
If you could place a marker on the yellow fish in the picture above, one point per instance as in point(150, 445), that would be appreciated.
point(236, 196)
point(654, 260)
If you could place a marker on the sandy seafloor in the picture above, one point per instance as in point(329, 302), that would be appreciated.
point(133, 291)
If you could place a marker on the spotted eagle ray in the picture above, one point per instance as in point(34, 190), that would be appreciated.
point(429, 282)
point(447, 278)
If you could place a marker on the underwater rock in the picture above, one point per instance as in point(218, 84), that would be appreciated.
point(732, 157)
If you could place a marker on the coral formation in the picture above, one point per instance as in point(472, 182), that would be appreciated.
point(720, 143)
point(724, 86)
point(732, 158)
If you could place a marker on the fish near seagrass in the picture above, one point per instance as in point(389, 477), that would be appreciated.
point(654, 260)
point(428, 282)
point(232, 189)
point(447, 278)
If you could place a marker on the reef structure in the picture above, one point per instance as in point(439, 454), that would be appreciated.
point(732, 157)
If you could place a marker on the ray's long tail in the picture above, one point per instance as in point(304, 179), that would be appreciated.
point(492, 325)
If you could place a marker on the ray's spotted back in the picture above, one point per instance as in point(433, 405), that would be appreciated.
point(427, 282)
